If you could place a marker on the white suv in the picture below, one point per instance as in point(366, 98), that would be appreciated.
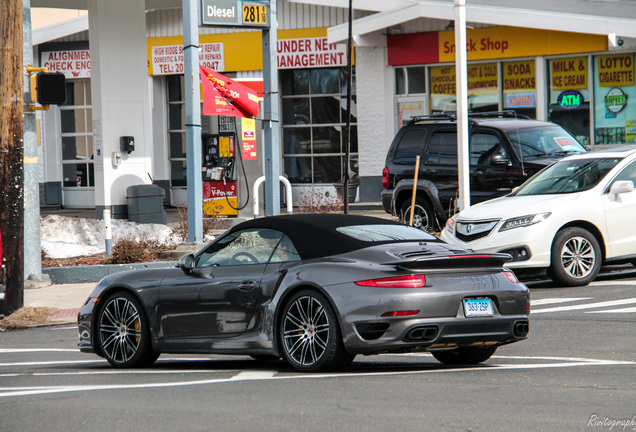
point(569, 218)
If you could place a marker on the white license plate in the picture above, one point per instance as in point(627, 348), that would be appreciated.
point(478, 307)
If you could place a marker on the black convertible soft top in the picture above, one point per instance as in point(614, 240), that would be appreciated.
point(315, 235)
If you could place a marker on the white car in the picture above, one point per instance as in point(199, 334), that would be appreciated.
point(569, 218)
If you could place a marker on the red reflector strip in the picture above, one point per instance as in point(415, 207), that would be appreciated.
point(400, 313)
point(470, 256)
point(409, 281)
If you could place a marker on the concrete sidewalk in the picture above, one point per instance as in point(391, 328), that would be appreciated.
point(68, 298)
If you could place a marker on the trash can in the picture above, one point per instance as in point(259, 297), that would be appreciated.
point(145, 204)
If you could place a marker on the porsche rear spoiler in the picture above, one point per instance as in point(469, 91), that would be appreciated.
point(457, 261)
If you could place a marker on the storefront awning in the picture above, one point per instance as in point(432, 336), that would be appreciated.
point(590, 17)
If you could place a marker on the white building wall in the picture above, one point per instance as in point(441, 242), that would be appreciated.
point(374, 89)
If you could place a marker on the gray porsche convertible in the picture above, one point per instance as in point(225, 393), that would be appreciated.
point(315, 290)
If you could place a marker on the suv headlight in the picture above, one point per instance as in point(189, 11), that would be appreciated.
point(524, 221)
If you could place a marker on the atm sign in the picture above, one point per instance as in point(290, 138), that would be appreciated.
point(570, 99)
point(520, 101)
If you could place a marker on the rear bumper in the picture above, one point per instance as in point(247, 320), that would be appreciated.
point(436, 334)
point(386, 196)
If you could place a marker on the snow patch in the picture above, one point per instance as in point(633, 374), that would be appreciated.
point(67, 237)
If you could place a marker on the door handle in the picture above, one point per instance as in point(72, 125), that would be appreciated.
point(247, 285)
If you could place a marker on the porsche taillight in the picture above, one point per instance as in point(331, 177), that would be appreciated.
point(408, 281)
point(385, 178)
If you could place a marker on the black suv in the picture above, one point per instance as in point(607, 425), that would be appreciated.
point(505, 150)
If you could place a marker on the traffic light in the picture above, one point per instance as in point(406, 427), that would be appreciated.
point(50, 88)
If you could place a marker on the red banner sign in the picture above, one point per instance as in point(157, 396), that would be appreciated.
point(225, 97)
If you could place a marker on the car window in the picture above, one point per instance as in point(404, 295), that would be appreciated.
point(409, 146)
point(483, 146)
point(568, 177)
point(628, 173)
point(443, 149)
point(543, 141)
point(247, 247)
point(285, 251)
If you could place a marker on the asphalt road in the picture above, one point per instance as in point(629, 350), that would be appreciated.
point(576, 372)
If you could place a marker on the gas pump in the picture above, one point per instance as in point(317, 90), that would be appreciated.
point(220, 196)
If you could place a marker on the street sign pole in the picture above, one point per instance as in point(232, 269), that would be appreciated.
point(271, 126)
point(193, 120)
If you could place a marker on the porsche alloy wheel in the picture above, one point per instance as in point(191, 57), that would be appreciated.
point(310, 334)
point(576, 257)
point(124, 338)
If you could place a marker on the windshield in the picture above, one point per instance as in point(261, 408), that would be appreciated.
point(568, 177)
point(382, 233)
point(543, 141)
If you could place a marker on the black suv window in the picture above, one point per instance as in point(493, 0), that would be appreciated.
point(443, 149)
point(483, 146)
point(409, 146)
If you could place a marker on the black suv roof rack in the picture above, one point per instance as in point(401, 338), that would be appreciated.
point(471, 115)
point(438, 116)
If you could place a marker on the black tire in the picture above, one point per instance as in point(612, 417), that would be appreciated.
point(310, 336)
point(123, 334)
point(423, 217)
point(575, 257)
point(465, 355)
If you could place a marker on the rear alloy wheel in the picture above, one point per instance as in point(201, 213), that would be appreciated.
point(423, 215)
point(310, 334)
point(123, 334)
point(576, 257)
point(465, 355)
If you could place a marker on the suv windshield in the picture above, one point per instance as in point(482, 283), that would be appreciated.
point(543, 141)
point(568, 177)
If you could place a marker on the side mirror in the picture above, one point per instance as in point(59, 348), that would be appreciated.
point(186, 263)
point(499, 160)
point(621, 186)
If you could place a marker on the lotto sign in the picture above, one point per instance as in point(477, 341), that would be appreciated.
point(616, 70)
point(569, 73)
point(73, 64)
point(168, 60)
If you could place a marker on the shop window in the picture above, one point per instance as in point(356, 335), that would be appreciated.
point(176, 131)
point(614, 99)
point(76, 133)
point(410, 80)
point(314, 111)
point(569, 97)
point(520, 87)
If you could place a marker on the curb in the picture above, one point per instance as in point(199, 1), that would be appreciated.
point(94, 273)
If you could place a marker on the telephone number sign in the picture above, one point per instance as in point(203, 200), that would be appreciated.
point(234, 13)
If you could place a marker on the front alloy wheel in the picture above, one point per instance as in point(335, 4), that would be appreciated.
point(310, 334)
point(123, 335)
point(576, 257)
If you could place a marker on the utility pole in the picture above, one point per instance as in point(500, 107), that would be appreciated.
point(12, 154)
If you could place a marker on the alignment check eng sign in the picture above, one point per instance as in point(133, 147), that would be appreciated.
point(234, 13)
